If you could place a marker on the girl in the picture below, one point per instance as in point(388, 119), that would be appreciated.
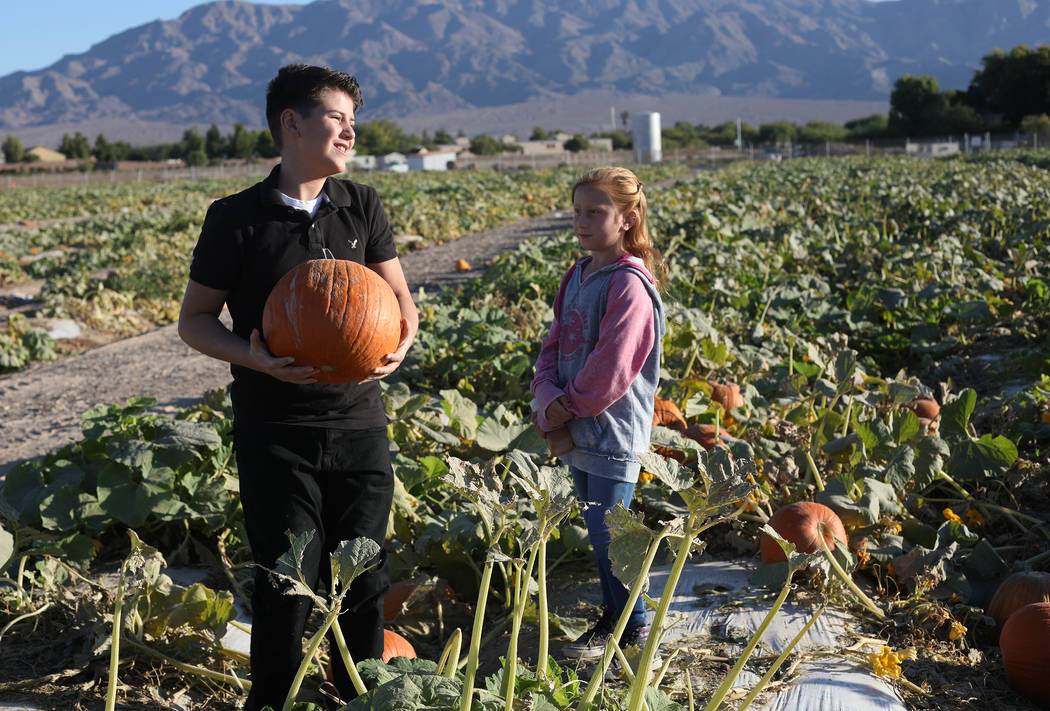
point(598, 371)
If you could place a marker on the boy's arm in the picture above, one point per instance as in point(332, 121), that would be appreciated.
point(392, 274)
point(201, 329)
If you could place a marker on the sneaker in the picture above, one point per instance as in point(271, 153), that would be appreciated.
point(591, 644)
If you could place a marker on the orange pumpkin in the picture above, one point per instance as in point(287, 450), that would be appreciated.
point(727, 395)
point(335, 315)
point(667, 414)
point(1018, 590)
point(926, 408)
point(1025, 645)
point(704, 434)
point(799, 523)
point(394, 645)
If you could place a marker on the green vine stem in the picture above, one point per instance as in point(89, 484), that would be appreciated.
point(114, 650)
point(598, 675)
point(243, 684)
point(311, 651)
point(779, 661)
point(449, 660)
point(542, 611)
point(817, 480)
point(475, 638)
point(727, 683)
point(26, 616)
point(844, 577)
point(348, 661)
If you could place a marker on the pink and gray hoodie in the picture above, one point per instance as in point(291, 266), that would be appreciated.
point(603, 354)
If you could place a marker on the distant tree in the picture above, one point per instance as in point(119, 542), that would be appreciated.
point(682, 135)
point(192, 142)
point(916, 103)
point(196, 158)
point(242, 142)
point(1038, 126)
point(578, 142)
point(443, 137)
point(75, 147)
point(777, 132)
point(383, 136)
point(1014, 85)
point(104, 151)
point(264, 145)
point(621, 140)
point(539, 134)
point(214, 145)
point(625, 118)
point(955, 118)
point(815, 131)
point(14, 151)
point(724, 134)
point(484, 145)
point(873, 126)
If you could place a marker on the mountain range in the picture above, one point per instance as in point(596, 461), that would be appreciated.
point(421, 60)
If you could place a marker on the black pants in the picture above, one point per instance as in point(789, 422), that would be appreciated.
point(340, 485)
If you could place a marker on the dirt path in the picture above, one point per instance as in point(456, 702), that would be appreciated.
point(40, 407)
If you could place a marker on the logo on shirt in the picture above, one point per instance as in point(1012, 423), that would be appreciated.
point(352, 243)
point(572, 332)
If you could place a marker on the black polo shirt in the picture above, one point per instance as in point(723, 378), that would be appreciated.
point(247, 243)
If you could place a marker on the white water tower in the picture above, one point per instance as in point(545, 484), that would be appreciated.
point(646, 137)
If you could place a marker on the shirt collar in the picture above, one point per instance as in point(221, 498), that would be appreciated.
point(334, 191)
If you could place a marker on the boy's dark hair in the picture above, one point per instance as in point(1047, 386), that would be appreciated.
point(299, 87)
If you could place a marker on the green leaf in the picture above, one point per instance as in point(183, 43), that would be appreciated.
point(657, 700)
point(353, 557)
point(987, 457)
point(956, 412)
point(667, 470)
point(630, 542)
point(900, 468)
point(24, 489)
point(495, 436)
point(905, 425)
point(121, 497)
point(136, 454)
point(930, 454)
point(845, 369)
point(184, 434)
point(58, 510)
point(835, 497)
point(462, 412)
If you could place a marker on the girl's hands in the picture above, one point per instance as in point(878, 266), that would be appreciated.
point(557, 412)
point(282, 367)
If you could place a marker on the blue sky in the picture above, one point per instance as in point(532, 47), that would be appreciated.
point(71, 27)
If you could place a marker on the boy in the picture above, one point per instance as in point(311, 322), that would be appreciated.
point(310, 456)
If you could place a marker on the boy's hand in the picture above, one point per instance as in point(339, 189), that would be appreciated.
point(392, 360)
point(281, 367)
point(557, 412)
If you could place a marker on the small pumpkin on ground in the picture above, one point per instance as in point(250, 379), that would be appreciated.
point(667, 414)
point(704, 434)
point(394, 645)
point(335, 315)
point(1025, 645)
point(1016, 591)
point(727, 395)
point(462, 265)
point(800, 523)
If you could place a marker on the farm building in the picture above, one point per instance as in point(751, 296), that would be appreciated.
point(45, 155)
point(431, 160)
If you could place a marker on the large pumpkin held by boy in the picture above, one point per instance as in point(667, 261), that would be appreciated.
point(335, 315)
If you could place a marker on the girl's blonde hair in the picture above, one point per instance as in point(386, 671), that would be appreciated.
point(627, 193)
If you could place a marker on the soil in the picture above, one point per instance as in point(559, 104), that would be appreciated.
point(40, 406)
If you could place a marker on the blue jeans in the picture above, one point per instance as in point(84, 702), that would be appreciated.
point(597, 495)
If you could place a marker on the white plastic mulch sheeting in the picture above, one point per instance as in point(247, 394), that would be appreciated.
point(713, 600)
